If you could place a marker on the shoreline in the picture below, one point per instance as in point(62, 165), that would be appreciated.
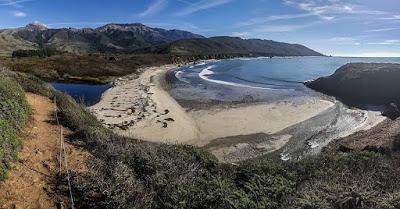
point(139, 106)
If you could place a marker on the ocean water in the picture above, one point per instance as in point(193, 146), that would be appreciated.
point(271, 80)
point(258, 79)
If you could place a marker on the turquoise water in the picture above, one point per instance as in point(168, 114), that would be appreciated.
point(259, 78)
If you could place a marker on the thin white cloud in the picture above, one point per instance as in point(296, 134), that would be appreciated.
point(15, 3)
point(259, 20)
point(199, 6)
point(241, 34)
point(393, 17)
point(19, 14)
point(382, 30)
point(331, 9)
point(155, 7)
point(344, 41)
point(283, 28)
point(386, 42)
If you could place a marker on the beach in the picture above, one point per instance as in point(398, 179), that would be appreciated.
point(141, 107)
point(138, 106)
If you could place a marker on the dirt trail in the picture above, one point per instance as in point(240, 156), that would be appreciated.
point(31, 181)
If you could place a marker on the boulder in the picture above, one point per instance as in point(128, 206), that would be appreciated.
point(391, 111)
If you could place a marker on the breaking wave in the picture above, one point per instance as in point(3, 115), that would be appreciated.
point(206, 72)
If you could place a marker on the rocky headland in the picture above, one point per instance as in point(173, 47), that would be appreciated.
point(365, 84)
point(362, 83)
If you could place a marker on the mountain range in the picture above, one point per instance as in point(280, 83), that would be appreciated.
point(108, 38)
point(139, 38)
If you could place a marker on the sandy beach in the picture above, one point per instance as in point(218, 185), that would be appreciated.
point(140, 107)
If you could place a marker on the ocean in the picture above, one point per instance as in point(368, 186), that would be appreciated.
point(256, 79)
point(276, 80)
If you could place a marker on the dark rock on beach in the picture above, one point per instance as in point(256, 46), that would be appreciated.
point(391, 111)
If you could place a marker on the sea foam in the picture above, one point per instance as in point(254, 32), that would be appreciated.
point(206, 72)
point(179, 76)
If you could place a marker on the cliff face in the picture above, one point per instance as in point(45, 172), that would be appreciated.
point(362, 83)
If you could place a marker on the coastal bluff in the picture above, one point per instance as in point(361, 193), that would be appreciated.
point(362, 83)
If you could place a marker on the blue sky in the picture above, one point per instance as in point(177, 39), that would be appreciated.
point(333, 27)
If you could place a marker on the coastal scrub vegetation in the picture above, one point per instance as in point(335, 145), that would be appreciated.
point(14, 113)
point(128, 173)
point(92, 68)
point(44, 52)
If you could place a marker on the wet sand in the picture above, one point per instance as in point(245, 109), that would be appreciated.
point(248, 119)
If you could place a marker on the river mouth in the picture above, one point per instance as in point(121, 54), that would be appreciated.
point(87, 94)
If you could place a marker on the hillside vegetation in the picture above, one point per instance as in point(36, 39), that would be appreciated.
point(94, 68)
point(14, 113)
point(127, 173)
point(232, 46)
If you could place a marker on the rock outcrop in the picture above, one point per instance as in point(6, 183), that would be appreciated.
point(362, 83)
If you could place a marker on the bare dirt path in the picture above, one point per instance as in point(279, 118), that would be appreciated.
point(31, 181)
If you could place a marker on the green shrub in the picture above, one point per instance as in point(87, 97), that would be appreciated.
point(396, 143)
point(45, 52)
point(14, 112)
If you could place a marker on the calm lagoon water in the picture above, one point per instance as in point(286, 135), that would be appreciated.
point(261, 79)
point(84, 93)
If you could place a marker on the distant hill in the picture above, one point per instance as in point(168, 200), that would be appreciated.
point(232, 46)
point(108, 38)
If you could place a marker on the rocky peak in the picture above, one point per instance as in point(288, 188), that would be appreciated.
point(36, 26)
point(123, 27)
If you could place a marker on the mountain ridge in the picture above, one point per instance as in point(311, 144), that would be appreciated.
point(226, 46)
point(108, 38)
point(139, 38)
